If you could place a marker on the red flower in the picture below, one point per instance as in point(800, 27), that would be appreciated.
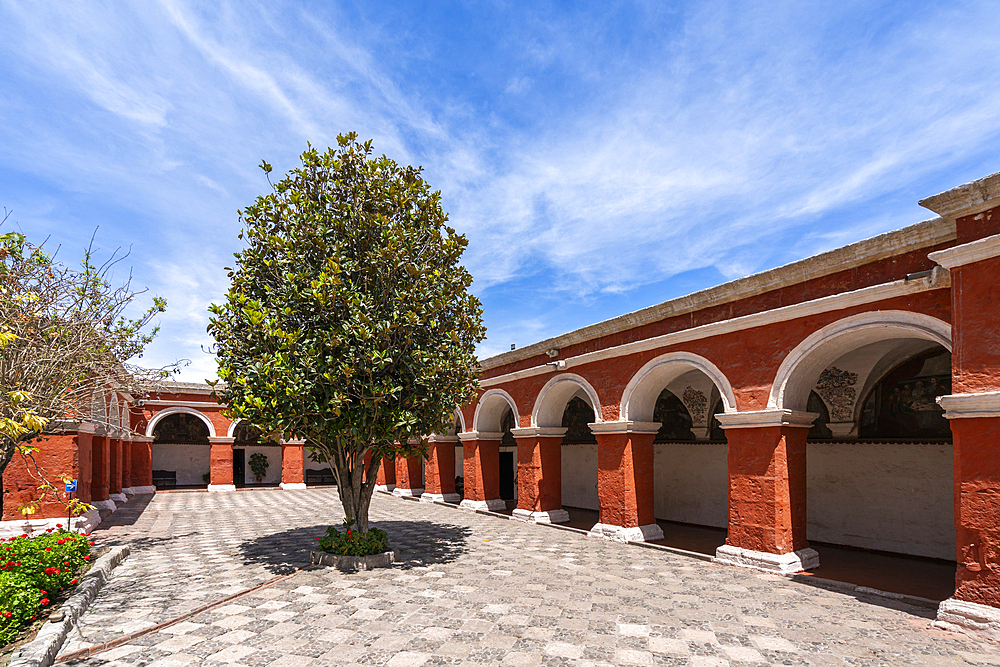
point(73, 582)
point(60, 541)
point(50, 570)
point(86, 558)
point(7, 614)
point(318, 538)
point(48, 548)
point(90, 543)
point(58, 525)
point(44, 602)
point(41, 591)
point(65, 562)
point(58, 571)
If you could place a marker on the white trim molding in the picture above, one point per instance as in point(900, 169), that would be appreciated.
point(639, 398)
point(163, 414)
point(625, 426)
point(557, 392)
point(493, 414)
point(440, 498)
point(975, 197)
point(795, 561)
point(292, 486)
point(491, 505)
point(961, 406)
point(551, 516)
point(476, 435)
point(539, 432)
point(969, 617)
point(646, 533)
point(407, 493)
point(221, 488)
point(967, 253)
point(766, 418)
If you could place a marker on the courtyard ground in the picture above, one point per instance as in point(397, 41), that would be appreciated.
point(468, 589)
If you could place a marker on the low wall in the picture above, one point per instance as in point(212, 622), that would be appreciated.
point(691, 480)
point(579, 476)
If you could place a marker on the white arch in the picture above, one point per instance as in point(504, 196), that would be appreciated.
point(461, 418)
point(115, 418)
point(639, 397)
point(557, 392)
point(490, 409)
point(160, 416)
point(231, 431)
point(801, 368)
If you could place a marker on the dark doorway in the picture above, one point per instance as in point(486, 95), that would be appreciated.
point(239, 467)
point(507, 475)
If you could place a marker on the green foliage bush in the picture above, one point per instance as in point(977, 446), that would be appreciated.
point(33, 570)
point(258, 465)
point(354, 542)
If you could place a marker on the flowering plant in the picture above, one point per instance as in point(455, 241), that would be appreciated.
point(33, 571)
point(354, 542)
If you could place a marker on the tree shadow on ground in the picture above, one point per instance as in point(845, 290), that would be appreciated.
point(416, 543)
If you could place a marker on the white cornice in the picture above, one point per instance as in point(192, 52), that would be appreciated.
point(938, 279)
point(968, 199)
point(959, 406)
point(765, 418)
point(960, 255)
point(221, 440)
point(539, 432)
point(625, 427)
point(921, 235)
point(210, 405)
point(477, 435)
point(442, 438)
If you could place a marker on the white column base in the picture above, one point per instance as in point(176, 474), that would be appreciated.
point(494, 505)
point(221, 488)
point(972, 618)
point(796, 561)
point(104, 504)
point(118, 498)
point(385, 487)
point(17, 527)
point(646, 533)
point(143, 490)
point(440, 498)
point(407, 493)
point(292, 486)
point(551, 516)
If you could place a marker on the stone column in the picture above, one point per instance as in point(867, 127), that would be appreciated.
point(100, 468)
point(767, 491)
point(625, 481)
point(439, 470)
point(115, 490)
point(409, 476)
point(142, 465)
point(539, 475)
point(127, 466)
point(974, 412)
point(481, 471)
point(85, 461)
point(221, 471)
point(293, 465)
point(386, 478)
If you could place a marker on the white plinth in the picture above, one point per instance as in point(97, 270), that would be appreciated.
point(220, 488)
point(494, 505)
point(104, 504)
point(119, 498)
point(440, 498)
point(796, 561)
point(551, 516)
point(82, 524)
point(646, 533)
point(143, 490)
point(385, 487)
point(407, 493)
point(970, 617)
point(292, 486)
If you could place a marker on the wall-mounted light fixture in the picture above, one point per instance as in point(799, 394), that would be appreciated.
point(553, 353)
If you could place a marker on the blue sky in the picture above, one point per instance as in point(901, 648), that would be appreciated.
point(601, 157)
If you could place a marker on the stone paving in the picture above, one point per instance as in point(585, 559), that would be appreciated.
point(468, 590)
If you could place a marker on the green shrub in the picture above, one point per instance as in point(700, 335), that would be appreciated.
point(258, 465)
point(353, 542)
point(33, 570)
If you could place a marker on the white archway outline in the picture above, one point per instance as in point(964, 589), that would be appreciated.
point(163, 414)
point(557, 392)
point(639, 397)
point(799, 370)
point(461, 418)
point(490, 408)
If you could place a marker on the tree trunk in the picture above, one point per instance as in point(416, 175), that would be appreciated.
point(355, 482)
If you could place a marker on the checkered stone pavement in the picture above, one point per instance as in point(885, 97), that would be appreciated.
point(468, 589)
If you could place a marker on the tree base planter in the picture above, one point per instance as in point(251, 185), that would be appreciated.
point(352, 563)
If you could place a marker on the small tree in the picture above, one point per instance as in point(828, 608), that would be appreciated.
point(64, 337)
point(349, 322)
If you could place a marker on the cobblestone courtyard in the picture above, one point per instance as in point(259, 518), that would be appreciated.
point(468, 590)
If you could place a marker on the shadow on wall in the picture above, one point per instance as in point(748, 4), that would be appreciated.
point(419, 543)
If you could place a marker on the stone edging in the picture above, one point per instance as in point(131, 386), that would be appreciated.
point(42, 650)
point(352, 563)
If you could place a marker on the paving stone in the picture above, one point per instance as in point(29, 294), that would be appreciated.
point(467, 589)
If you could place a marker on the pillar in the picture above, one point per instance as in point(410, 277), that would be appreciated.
point(767, 491)
point(127, 467)
point(481, 471)
point(386, 478)
point(409, 476)
point(625, 481)
point(292, 465)
point(221, 471)
point(973, 408)
point(539, 475)
point(100, 478)
point(142, 464)
point(439, 470)
point(115, 490)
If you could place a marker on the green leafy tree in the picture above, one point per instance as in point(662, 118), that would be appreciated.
point(349, 322)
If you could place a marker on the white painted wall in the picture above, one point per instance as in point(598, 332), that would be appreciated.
point(273, 455)
point(190, 462)
point(579, 476)
point(892, 497)
point(691, 483)
point(309, 464)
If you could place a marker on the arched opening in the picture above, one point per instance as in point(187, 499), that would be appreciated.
point(508, 460)
point(181, 451)
point(489, 453)
point(256, 457)
point(579, 461)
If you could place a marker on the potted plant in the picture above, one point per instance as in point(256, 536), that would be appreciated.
point(258, 466)
point(353, 549)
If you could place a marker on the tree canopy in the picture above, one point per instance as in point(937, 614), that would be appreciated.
point(348, 322)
